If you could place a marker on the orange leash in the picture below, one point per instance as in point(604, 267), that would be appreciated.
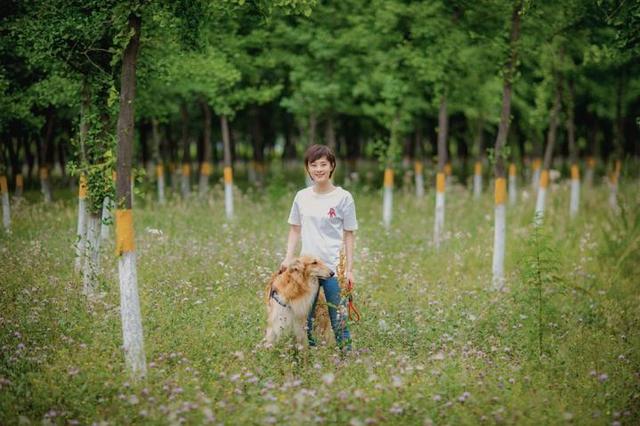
point(354, 313)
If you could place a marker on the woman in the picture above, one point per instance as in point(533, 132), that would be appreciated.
point(323, 216)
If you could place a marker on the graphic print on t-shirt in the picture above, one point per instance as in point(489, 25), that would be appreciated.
point(332, 212)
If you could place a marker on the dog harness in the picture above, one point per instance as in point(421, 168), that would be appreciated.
point(274, 295)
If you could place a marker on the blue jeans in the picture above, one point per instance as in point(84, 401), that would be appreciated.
point(331, 289)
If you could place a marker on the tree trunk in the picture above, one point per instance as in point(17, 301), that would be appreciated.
point(500, 213)
point(573, 153)
point(129, 303)
point(81, 230)
point(185, 188)
point(205, 167)
point(228, 170)
point(45, 178)
point(157, 159)
point(440, 176)
point(16, 165)
point(477, 169)
point(418, 167)
point(548, 154)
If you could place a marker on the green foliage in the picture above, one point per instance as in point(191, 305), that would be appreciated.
point(541, 280)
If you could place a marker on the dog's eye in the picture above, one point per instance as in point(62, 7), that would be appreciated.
point(315, 262)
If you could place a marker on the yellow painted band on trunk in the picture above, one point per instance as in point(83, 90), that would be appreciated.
point(172, 167)
point(19, 181)
point(440, 182)
point(228, 174)
point(512, 169)
point(575, 172)
point(501, 190)
point(388, 178)
point(260, 167)
point(447, 169)
point(3, 185)
point(124, 231)
point(82, 187)
point(544, 179)
point(418, 167)
point(614, 178)
point(618, 167)
point(159, 170)
point(44, 173)
point(591, 162)
point(477, 169)
point(186, 169)
point(205, 169)
point(537, 163)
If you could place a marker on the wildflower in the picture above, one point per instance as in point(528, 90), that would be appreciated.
point(603, 377)
point(328, 378)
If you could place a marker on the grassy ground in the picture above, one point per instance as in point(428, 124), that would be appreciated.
point(435, 345)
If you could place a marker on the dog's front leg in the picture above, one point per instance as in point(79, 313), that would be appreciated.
point(301, 334)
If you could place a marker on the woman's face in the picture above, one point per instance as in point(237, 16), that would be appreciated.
point(320, 170)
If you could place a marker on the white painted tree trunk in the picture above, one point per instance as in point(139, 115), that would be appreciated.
point(130, 314)
point(91, 262)
point(228, 192)
point(575, 197)
point(535, 176)
point(161, 184)
point(513, 185)
point(540, 201)
point(185, 187)
point(6, 207)
point(387, 206)
point(81, 231)
point(477, 180)
point(500, 227)
point(387, 200)
point(419, 179)
point(45, 185)
point(438, 228)
point(107, 218)
point(203, 184)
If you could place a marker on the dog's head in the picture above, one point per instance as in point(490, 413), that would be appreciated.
point(310, 266)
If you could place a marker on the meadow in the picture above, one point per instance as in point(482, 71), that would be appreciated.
point(435, 345)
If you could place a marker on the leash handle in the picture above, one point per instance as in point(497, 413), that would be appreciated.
point(354, 313)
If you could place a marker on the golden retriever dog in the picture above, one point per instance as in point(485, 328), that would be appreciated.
point(289, 297)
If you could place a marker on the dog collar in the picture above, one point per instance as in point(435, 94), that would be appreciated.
point(274, 295)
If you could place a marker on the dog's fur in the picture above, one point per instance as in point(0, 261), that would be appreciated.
point(295, 287)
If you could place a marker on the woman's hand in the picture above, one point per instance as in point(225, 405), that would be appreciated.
point(284, 265)
point(349, 277)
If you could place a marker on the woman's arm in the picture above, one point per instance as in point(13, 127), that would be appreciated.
point(349, 241)
point(292, 243)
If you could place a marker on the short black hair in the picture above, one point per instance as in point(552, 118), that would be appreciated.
point(317, 151)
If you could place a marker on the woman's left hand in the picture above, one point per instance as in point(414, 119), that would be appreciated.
point(350, 279)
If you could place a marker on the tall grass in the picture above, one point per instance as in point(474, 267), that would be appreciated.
point(435, 344)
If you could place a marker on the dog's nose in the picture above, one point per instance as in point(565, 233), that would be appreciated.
point(331, 273)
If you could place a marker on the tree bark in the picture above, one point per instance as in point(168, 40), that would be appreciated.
point(129, 303)
point(500, 223)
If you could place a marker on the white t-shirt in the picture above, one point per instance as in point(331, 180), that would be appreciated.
point(322, 218)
